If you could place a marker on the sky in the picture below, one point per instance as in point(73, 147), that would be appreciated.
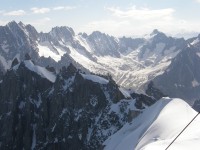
point(114, 17)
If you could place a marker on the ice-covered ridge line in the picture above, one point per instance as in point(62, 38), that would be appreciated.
point(124, 137)
point(43, 72)
point(157, 127)
point(95, 78)
point(169, 123)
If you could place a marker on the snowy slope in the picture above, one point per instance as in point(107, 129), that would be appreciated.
point(157, 127)
point(40, 71)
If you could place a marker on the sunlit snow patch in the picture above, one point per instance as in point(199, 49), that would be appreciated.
point(95, 78)
point(47, 50)
point(40, 71)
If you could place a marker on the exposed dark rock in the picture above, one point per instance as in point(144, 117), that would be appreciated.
point(142, 101)
point(196, 105)
point(154, 92)
point(51, 69)
point(15, 62)
point(27, 57)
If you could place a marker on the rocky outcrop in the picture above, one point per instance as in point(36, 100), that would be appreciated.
point(77, 111)
point(21, 107)
point(153, 91)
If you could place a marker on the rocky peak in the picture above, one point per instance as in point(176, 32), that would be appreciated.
point(16, 28)
point(14, 62)
point(155, 31)
point(104, 44)
point(27, 57)
point(143, 101)
point(158, 44)
point(68, 72)
point(32, 32)
point(17, 34)
point(12, 24)
point(158, 36)
point(71, 68)
point(84, 35)
point(21, 24)
point(97, 34)
point(62, 33)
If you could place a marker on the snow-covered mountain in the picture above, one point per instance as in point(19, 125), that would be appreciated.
point(122, 57)
point(157, 127)
point(132, 62)
point(42, 109)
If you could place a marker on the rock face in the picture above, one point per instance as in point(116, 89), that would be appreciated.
point(154, 92)
point(21, 103)
point(182, 78)
point(77, 111)
point(21, 41)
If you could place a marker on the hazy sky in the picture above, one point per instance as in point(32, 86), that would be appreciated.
point(115, 17)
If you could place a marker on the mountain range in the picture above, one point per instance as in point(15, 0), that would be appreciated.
point(132, 62)
point(61, 89)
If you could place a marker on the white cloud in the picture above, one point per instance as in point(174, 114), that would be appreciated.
point(64, 8)
point(59, 8)
point(141, 13)
point(197, 1)
point(139, 21)
point(107, 26)
point(36, 10)
point(15, 13)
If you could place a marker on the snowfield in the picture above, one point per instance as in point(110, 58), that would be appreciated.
point(157, 127)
